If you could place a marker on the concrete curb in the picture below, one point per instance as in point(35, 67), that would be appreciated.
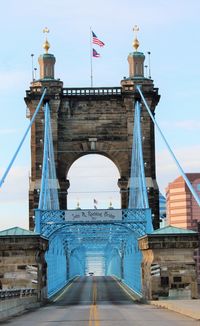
point(190, 308)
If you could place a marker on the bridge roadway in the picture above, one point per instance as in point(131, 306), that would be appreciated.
point(98, 301)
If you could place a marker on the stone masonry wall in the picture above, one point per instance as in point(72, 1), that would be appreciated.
point(22, 263)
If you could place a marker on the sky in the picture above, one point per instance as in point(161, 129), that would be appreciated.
point(168, 29)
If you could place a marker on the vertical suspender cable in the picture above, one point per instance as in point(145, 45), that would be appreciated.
point(141, 161)
point(138, 193)
point(24, 137)
point(44, 179)
point(195, 195)
point(48, 193)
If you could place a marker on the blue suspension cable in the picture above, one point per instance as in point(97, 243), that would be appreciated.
point(48, 194)
point(141, 160)
point(24, 137)
point(52, 170)
point(138, 192)
point(195, 195)
point(43, 191)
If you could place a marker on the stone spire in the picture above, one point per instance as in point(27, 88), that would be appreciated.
point(46, 60)
point(136, 59)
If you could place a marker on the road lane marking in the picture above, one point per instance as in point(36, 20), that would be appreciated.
point(94, 313)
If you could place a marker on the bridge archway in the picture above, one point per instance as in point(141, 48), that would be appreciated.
point(93, 182)
point(92, 120)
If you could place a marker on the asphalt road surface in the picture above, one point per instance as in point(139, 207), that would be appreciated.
point(99, 301)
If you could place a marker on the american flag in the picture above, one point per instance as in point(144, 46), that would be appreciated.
point(95, 54)
point(95, 40)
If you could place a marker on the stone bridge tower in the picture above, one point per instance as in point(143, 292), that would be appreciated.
point(92, 120)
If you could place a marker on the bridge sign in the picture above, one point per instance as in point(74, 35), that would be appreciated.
point(94, 215)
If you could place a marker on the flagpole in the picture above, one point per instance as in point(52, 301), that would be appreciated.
point(91, 67)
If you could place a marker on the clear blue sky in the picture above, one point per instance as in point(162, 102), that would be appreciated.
point(169, 29)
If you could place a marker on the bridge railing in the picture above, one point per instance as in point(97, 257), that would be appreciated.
point(80, 91)
point(92, 91)
point(13, 293)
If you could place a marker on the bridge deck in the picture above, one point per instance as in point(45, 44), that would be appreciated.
point(99, 301)
point(94, 290)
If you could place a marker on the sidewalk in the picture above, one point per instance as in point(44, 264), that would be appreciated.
point(190, 308)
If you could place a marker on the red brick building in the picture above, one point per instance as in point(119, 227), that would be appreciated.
point(182, 209)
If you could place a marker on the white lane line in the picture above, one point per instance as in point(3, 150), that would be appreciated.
point(130, 295)
point(67, 288)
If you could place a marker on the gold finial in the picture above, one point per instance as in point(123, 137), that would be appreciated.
point(136, 42)
point(46, 30)
point(46, 44)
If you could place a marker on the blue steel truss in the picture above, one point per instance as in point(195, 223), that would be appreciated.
point(49, 222)
point(75, 240)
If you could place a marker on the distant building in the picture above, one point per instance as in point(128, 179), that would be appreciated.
point(182, 209)
point(162, 210)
